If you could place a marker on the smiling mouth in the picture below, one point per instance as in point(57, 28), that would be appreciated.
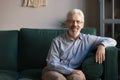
point(74, 28)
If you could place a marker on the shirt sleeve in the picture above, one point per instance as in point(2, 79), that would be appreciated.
point(106, 41)
point(53, 60)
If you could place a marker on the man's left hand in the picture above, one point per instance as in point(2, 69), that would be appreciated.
point(100, 54)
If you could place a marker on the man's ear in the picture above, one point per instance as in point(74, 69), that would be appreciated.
point(82, 24)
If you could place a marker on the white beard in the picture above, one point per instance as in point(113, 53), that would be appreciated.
point(74, 33)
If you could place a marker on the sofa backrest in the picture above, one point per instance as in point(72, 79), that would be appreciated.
point(34, 46)
point(35, 43)
point(8, 49)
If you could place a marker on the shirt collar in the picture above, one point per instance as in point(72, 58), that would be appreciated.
point(80, 37)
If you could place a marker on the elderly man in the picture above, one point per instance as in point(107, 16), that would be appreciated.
point(68, 50)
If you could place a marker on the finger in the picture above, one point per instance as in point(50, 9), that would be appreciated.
point(96, 58)
point(103, 57)
point(99, 60)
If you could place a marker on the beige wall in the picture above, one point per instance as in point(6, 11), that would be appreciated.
point(13, 16)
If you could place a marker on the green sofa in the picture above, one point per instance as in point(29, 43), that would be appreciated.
point(23, 53)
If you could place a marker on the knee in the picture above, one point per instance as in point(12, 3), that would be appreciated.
point(54, 78)
point(74, 77)
point(60, 78)
point(53, 75)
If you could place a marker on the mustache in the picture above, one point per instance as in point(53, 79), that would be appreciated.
point(73, 27)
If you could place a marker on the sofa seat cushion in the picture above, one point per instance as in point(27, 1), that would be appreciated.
point(92, 69)
point(8, 75)
point(30, 74)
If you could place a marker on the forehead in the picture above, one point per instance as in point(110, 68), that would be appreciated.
point(75, 16)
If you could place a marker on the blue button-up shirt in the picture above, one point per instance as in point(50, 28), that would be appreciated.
point(66, 54)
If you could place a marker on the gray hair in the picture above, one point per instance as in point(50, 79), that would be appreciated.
point(76, 11)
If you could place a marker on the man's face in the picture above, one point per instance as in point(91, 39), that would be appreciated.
point(74, 23)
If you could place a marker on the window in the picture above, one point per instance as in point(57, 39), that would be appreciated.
point(110, 19)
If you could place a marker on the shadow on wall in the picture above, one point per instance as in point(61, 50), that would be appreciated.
point(91, 13)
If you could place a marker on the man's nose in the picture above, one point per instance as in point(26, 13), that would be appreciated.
point(74, 23)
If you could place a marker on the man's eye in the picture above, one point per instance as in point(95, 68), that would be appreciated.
point(78, 21)
point(72, 21)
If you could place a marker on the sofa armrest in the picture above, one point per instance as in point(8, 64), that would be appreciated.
point(111, 64)
point(91, 69)
point(106, 71)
